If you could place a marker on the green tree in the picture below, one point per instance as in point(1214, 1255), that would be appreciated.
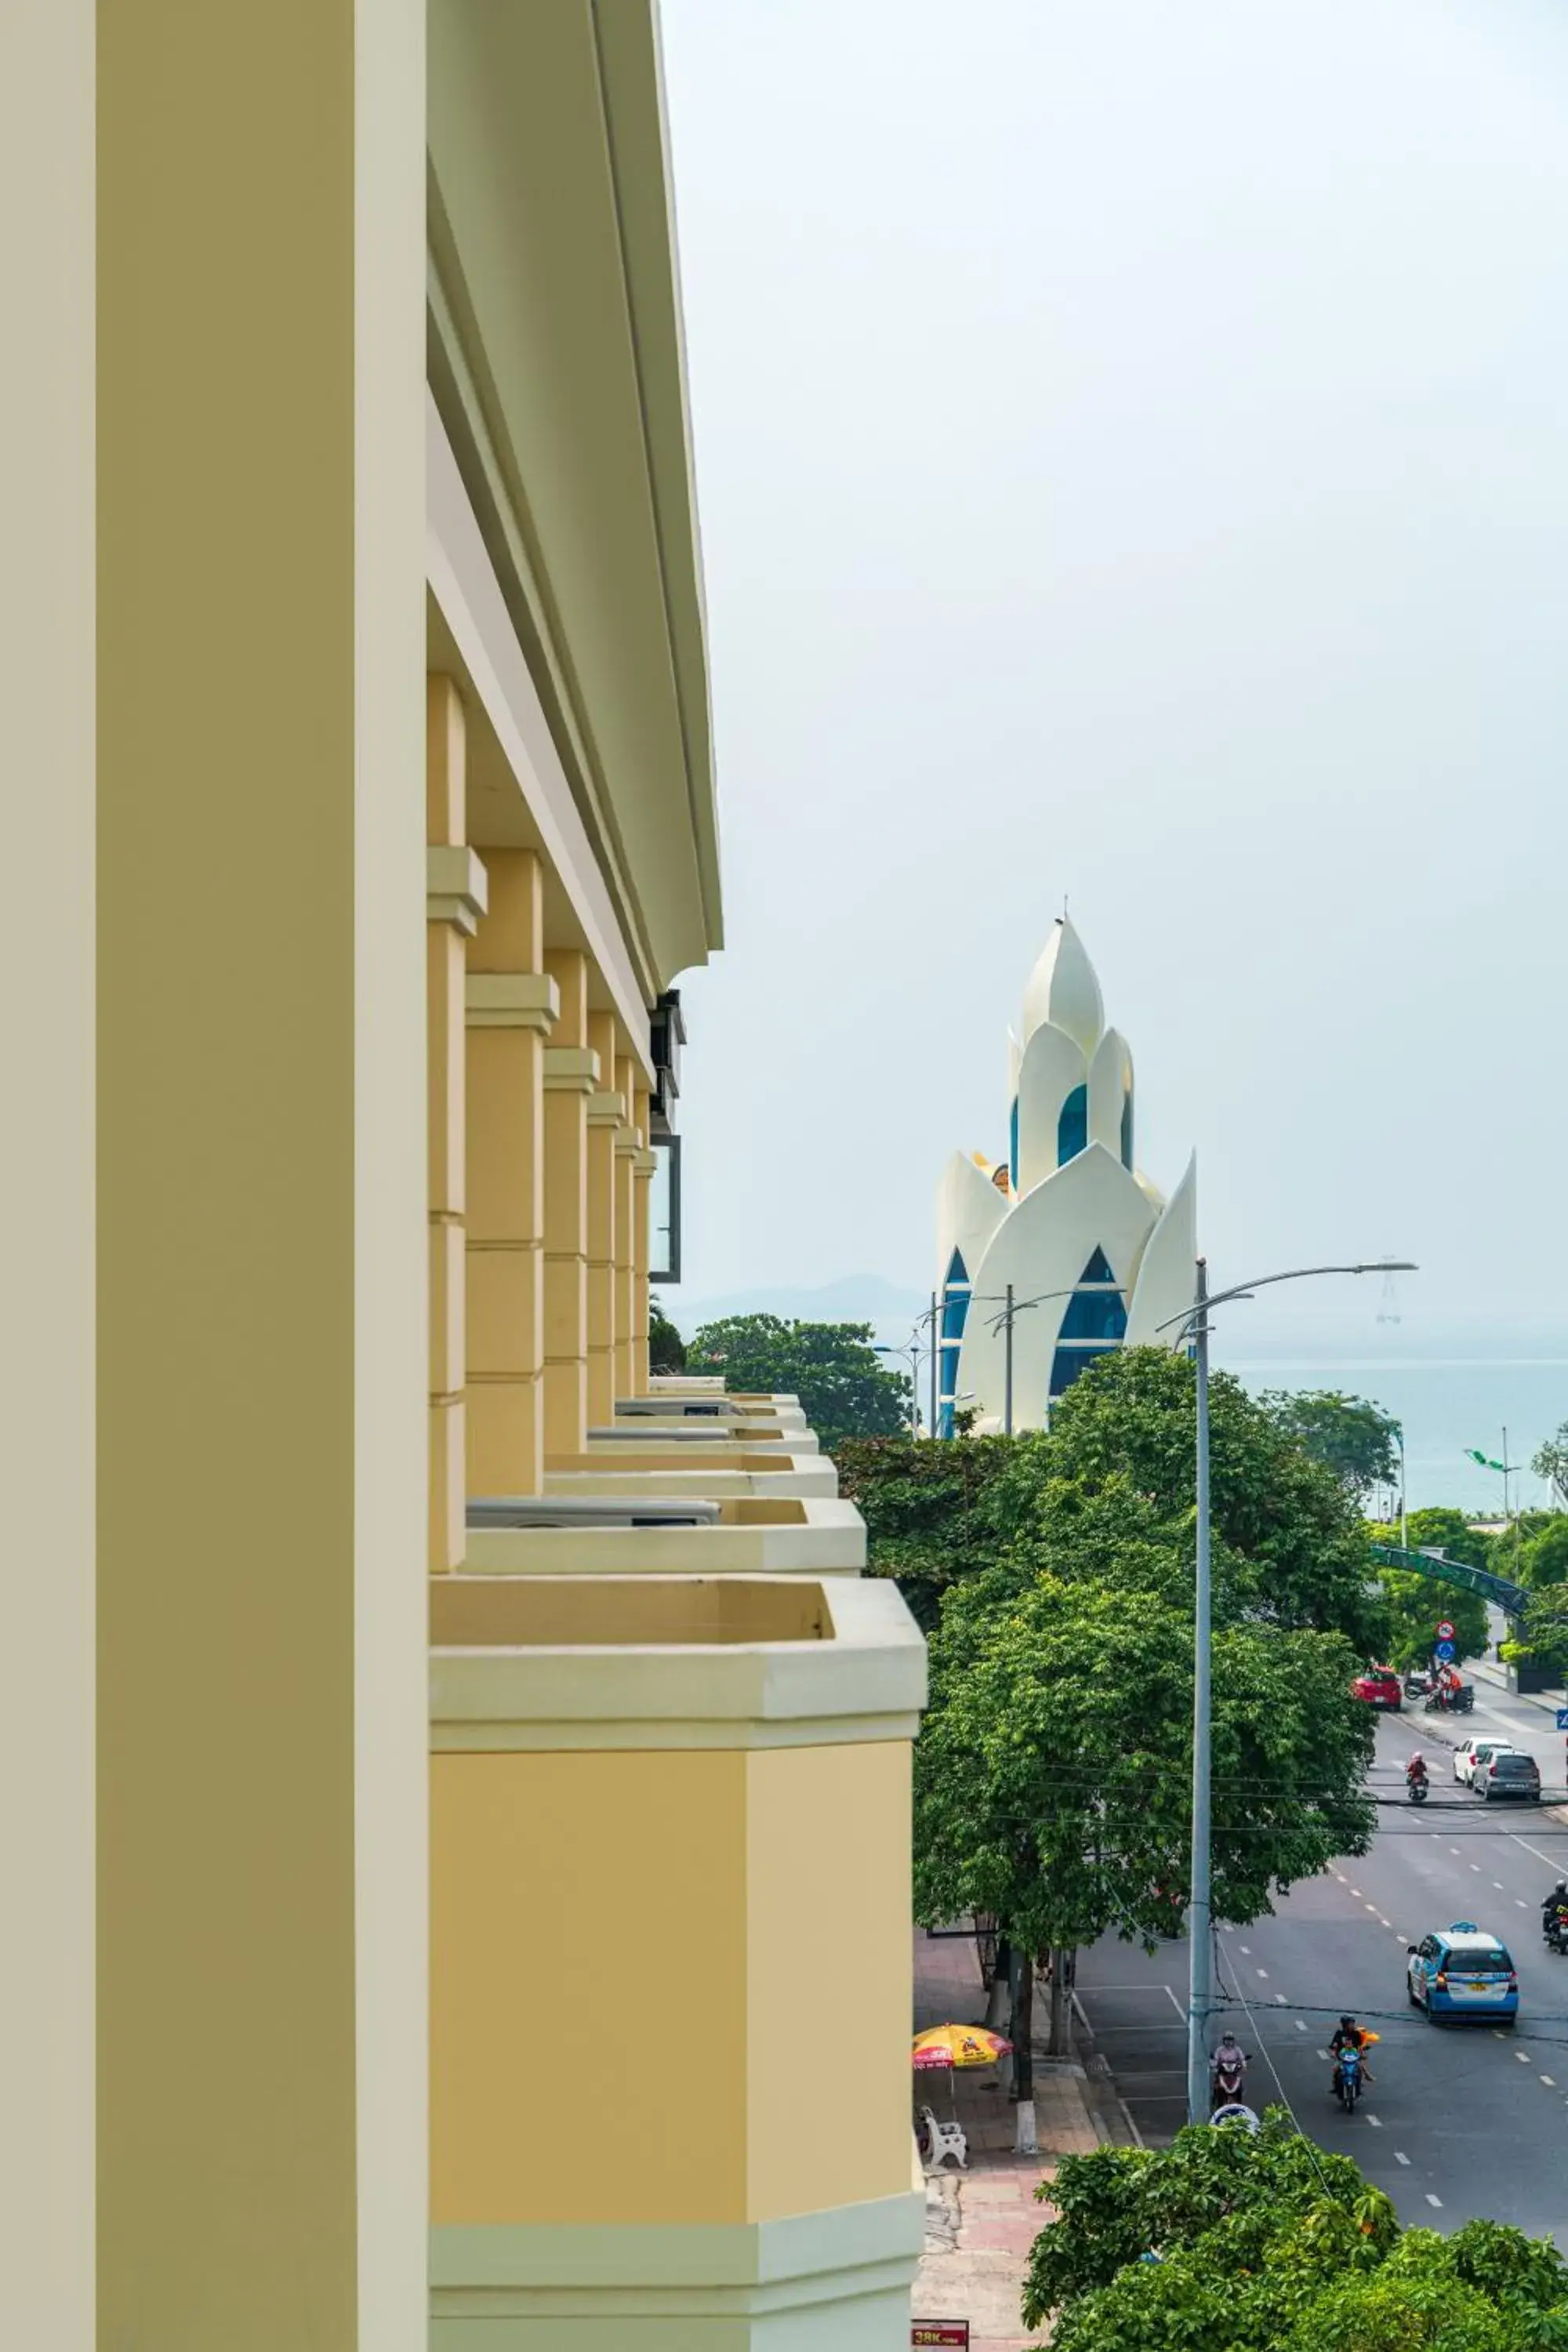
point(1439, 1528)
point(1545, 1643)
point(1551, 1462)
point(921, 1504)
point(1262, 2243)
point(1131, 1417)
point(1543, 1557)
point(1052, 1775)
point(1350, 1436)
point(665, 1348)
point(843, 1387)
point(1415, 1603)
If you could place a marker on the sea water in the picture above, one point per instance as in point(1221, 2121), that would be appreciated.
point(1446, 1404)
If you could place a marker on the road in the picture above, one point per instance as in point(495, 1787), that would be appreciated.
point(1460, 2120)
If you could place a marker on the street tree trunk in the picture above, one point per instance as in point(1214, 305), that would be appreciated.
point(999, 2000)
point(1022, 2025)
point(1061, 2002)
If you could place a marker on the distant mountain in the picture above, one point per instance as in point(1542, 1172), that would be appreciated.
point(852, 1299)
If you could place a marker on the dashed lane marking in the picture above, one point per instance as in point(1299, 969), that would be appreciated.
point(1549, 2083)
point(1301, 2025)
point(1264, 1973)
point(1375, 2121)
point(1434, 2200)
point(1524, 2057)
point(1400, 2157)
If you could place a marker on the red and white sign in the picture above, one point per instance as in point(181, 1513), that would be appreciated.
point(1444, 1631)
point(941, 2331)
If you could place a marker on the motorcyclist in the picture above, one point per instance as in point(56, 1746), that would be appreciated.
point(1348, 2035)
point(1416, 1767)
point(1555, 1904)
point(1227, 2071)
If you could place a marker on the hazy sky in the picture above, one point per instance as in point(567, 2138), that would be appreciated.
point(1132, 451)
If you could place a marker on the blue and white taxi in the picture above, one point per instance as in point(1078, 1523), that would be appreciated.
point(1461, 1971)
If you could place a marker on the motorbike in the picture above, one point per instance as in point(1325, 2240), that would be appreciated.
point(1348, 2077)
point(1554, 1931)
point(1227, 2083)
point(1460, 1702)
point(1415, 1790)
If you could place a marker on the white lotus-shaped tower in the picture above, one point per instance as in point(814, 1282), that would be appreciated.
point(1066, 1218)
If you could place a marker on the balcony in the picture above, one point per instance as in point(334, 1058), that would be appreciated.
point(719, 1471)
point(669, 1832)
point(786, 1536)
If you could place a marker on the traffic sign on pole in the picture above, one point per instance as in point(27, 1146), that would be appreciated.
point(1562, 1718)
point(1444, 1631)
point(1444, 1651)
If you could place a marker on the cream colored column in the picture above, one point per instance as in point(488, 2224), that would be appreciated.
point(262, 1588)
point(644, 1163)
point(606, 1113)
point(626, 1249)
point(512, 1004)
point(47, 1369)
point(454, 901)
point(570, 1077)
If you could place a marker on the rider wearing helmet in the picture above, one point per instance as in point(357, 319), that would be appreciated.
point(1348, 2034)
point(1556, 1901)
point(1416, 1767)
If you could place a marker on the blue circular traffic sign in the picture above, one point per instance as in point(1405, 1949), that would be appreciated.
point(1444, 1651)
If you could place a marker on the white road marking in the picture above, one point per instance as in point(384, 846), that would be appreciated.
point(1369, 1906)
point(1453, 1849)
point(1280, 1998)
point(1247, 1949)
point(1523, 2056)
point(1549, 2083)
point(1356, 1892)
point(1434, 2200)
point(1498, 1884)
point(1175, 2004)
point(1324, 2056)
point(1375, 2121)
point(1520, 1903)
point(1553, 1861)
point(1383, 1922)
point(1264, 1973)
point(1476, 1867)
point(1301, 2025)
point(1400, 2157)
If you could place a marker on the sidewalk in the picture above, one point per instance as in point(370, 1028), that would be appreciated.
point(981, 2224)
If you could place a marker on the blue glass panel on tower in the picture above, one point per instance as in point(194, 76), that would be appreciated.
point(1127, 1130)
point(1072, 1126)
point(1068, 1362)
point(954, 1311)
point(1013, 1144)
point(1097, 1310)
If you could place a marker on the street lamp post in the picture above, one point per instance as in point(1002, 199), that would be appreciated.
point(1200, 1955)
point(913, 1350)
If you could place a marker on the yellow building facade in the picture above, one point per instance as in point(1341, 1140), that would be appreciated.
point(455, 1790)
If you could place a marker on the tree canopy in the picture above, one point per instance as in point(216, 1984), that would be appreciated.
point(1551, 1462)
point(1231, 2242)
point(1415, 1603)
point(665, 1348)
point(1052, 1773)
point(922, 1507)
point(1350, 1435)
point(844, 1387)
point(1439, 1528)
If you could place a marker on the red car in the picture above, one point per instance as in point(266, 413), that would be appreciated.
point(1380, 1686)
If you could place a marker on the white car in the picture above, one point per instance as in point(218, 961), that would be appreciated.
point(1471, 1752)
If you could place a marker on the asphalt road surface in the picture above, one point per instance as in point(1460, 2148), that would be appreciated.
point(1458, 2120)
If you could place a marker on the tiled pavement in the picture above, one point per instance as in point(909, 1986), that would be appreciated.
point(981, 2224)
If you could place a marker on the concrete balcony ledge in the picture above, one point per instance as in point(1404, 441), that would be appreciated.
point(772, 1436)
point(716, 1471)
point(722, 1409)
point(791, 1536)
point(600, 1663)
